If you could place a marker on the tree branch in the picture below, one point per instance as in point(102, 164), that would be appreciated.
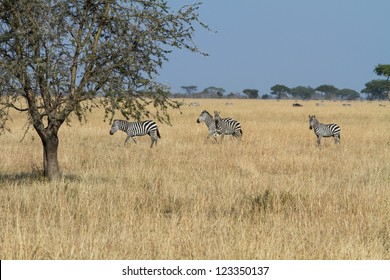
point(95, 45)
point(17, 109)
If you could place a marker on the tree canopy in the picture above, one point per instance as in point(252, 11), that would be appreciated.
point(189, 89)
point(326, 89)
point(383, 70)
point(280, 91)
point(329, 91)
point(302, 92)
point(251, 93)
point(377, 89)
point(218, 91)
point(57, 57)
point(348, 94)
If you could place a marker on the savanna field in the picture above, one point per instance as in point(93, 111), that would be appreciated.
point(273, 195)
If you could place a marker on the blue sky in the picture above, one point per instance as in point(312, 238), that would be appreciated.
point(260, 43)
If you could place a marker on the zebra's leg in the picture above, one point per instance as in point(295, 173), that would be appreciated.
point(211, 133)
point(336, 138)
point(215, 135)
point(154, 139)
point(318, 140)
point(130, 136)
point(237, 135)
point(133, 137)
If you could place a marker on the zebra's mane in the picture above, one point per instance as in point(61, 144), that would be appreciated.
point(126, 121)
point(205, 112)
point(120, 121)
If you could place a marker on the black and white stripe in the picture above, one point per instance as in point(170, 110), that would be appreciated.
point(227, 126)
point(324, 130)
point(210, 123)
point(134, 129)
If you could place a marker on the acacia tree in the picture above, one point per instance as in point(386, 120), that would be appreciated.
point(251, 93)
point(280, 91)
point(329, 91)
point(347, 94)
point(190, 89)
point(218, 91)
point(302, 92)
point(383, 70)
point(377, 89)
point(69, 56)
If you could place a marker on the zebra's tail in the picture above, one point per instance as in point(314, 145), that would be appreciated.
point(241, 131)
point(158, 133)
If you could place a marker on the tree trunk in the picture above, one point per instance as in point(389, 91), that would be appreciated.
point(50, 159)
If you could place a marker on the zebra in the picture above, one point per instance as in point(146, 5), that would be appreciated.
point(227, 126)
point(210, 123)
point(324, 130)
point(134, 129)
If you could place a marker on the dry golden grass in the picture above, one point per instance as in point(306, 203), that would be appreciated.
point(274, 195)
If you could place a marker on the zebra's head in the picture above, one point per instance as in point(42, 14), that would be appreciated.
point(312, 121)
point(217, 117)
point(203, 116)
point(114, 127)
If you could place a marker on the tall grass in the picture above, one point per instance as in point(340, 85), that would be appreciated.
point(274, 195)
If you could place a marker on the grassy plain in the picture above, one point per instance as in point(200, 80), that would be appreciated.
point(274, 195)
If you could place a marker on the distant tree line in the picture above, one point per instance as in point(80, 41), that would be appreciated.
point(328, 92)
point(209, 92)
point(374, 90)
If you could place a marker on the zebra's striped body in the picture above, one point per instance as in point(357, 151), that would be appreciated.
point(210, 123)
point(227, 127)
point(134, 129)
point(324, 130)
